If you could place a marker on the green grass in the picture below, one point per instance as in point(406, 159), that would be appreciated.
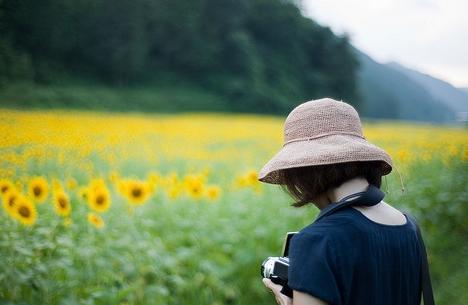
point(188, 252)
point(147, 97)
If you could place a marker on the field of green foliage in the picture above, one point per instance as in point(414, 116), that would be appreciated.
point(166, 209)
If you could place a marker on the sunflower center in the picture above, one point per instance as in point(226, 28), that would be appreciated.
point(62, 202)
point(100, 200)
point(24, 211)
point(37, 191)
point(4, 188)
point(136, 192)
point(11, 201)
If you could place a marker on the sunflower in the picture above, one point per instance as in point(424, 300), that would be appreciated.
point(5, 185)
point(95, 220)
point(99, 199)
point(194, 186)
point(154, 179)
point(62, 203)
point(251, 177)
point(212, 192)
point(137, 191)
point(25, 211)
point(83, 192)
point(38, 189)
point(97, 183)
point(9, 201)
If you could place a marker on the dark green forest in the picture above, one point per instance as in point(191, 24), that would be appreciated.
point(256, 56)
point(233, 55)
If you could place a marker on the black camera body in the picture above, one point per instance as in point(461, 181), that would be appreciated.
point(276, 268)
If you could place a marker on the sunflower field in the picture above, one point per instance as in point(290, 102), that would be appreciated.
point(113, 208)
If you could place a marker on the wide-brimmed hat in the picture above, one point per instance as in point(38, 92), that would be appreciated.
point(319, 132)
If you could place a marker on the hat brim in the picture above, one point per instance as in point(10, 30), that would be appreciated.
point(329, 149)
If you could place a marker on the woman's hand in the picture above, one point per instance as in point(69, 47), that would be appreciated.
point(281, 299)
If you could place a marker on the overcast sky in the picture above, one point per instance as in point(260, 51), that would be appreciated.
point(428, 35)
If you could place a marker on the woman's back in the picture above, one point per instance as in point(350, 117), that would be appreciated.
point(347, 258)
point(342, 258)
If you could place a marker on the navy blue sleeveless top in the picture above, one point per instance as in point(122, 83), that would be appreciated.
point(347, 259)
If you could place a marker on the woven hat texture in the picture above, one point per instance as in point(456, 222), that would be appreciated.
point(319, 132)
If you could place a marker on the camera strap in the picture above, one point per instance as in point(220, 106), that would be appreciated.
point(372, 196)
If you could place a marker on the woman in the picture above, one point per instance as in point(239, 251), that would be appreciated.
point(365, 255)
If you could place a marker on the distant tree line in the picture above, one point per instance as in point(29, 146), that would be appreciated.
point(262, 55)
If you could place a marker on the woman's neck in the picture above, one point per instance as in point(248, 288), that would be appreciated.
point(349, 187)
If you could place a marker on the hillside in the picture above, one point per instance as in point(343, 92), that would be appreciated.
point(440, 90)
point(388, 93)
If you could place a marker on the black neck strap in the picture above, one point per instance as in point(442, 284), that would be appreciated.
point(372, 196)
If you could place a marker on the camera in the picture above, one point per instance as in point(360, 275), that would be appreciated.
point(276, 268)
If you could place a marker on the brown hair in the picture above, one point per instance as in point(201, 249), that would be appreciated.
point(307, 182)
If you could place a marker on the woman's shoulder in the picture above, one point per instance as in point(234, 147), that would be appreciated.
point(332, 234)
point(349, 228)
point(333, 238)
point(341, 222)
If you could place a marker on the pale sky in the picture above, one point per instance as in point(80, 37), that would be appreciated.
point(427, 35)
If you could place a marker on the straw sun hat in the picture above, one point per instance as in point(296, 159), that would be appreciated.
point(320, 132)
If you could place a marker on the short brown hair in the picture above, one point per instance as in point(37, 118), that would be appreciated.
point(307, 182)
